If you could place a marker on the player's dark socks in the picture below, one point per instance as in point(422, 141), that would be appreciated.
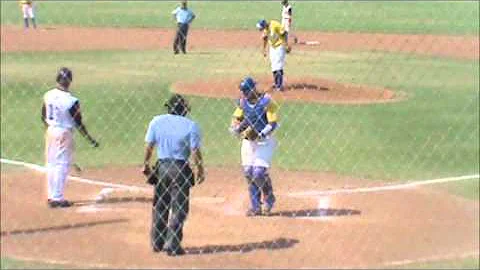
point(278, 78)
point(25, 22)
point(275, 78)
point(34, 23)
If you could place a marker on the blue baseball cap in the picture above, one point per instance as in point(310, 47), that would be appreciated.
point(261, 24)
point(247, 85)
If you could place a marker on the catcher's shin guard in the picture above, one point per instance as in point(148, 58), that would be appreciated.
point(267, 190)
point(255, 194)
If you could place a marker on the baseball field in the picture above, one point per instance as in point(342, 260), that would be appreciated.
point(378, 158)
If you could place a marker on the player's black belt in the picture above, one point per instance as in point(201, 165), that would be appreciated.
point(172, 160)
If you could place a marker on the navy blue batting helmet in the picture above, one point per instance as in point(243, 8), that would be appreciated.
point(247, 85)
point(262, 24)
point(64, 76)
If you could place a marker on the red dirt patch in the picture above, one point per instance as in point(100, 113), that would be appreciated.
point(355, 230)
point(296, 90)
point(76, 38)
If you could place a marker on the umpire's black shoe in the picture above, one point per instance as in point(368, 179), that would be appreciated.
point(59, 204)
point(175, 252)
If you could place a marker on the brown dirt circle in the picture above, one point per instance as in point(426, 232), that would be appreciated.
point(359, 230)
point(14, 38)
point(313, 90)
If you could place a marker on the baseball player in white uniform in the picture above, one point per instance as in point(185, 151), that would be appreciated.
point(60, 114)
point(287, 15)
point(28, 12)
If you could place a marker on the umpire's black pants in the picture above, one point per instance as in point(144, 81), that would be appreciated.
point(170, 204)
point(180, 42)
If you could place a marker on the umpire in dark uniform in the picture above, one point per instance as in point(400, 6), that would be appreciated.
point(183, 16)
point(176, 138)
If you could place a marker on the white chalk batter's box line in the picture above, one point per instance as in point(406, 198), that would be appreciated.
point(309, 193)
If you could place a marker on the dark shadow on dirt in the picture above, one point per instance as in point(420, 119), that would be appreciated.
point(280, 243)
point(63, 227)
point(305, 86)
point(317, 212)
point(112, 201)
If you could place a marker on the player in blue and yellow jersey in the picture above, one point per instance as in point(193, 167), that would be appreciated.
point(275, 35)
point(255, 119)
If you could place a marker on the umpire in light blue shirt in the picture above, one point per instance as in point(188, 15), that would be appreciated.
point(177, 139)
point(183, 16)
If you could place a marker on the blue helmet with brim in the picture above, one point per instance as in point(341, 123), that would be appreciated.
point(262, 24)
point(247, 85)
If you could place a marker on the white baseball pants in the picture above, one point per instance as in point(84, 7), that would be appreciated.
point(59, 148)
point(258, 153)
point(277, 57)
point(287, 23)
point(27, 11)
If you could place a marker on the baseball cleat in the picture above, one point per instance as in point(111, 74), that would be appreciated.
point(177, 252)
point(267, 211)
point(59, 204)
point(253, 212)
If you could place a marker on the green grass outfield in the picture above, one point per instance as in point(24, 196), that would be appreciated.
point(432, 134)
point(431, 17)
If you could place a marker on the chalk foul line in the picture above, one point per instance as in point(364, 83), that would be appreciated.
point(308, 193)
point(108, 185)
point(75, 178)
point(409, 184)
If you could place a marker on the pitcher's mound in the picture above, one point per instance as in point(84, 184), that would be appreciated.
point(296, 90)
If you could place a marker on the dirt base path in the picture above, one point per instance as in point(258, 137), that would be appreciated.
point(77, 38)
point(349, 230)
point(298, 89)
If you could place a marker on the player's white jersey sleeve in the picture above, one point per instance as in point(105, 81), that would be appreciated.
point(286, 11)
point(58, 104)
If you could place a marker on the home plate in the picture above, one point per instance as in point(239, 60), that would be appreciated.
point(322, 210)
point(95, 209)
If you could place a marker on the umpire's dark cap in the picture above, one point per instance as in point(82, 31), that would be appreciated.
point(177, 105)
